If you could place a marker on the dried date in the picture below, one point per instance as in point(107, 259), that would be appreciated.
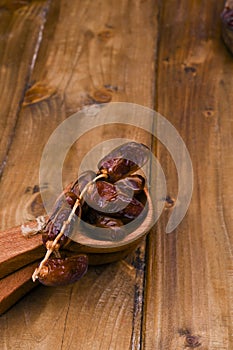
point(116, 199)
point(227, 25)
point(133, 183)
point(113, 228)
point(132, 209)
point(63, 271)
point(78, 185)
point(62, 210)
point(102, 196)
point(124, 160)
point(53, 227)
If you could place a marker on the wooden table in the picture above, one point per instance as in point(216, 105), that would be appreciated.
point(56, 57)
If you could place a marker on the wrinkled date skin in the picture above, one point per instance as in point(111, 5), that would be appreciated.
point(104, 197)
point(63, 271)
point(227, 17)
point(227, 26)
point(78, 185)
point(107, 204)
point(132, 210)
point(54, 227)
point(63, 207)
point(124, 160)
point(134, 183)
point(113, 227)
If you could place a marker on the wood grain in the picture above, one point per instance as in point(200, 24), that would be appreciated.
point(43, 117)
point(96, 311)
point(15, 286)
point(226, 17)
point(189, 273)
point(17, 251)
point(20, 22)
point(89, 53)
point(94, 52)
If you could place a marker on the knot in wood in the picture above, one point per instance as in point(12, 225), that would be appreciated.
point(38, 92)
point(105, 35)
point(208, 113)
point(35, 205)
point(192, 341)
point(102, 95)
point(169, 202)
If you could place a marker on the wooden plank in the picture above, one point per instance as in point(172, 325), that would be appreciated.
point(96, 311)
point(71, 88)
point(84, 58)
point(20, 22)
point(15, 286)
point(189, 275)
point(18, 251)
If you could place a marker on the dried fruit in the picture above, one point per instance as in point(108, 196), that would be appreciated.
point(124, 160)
point(113, 228)
point(133, 183)
point(107, 200)
point(104, 198)
point(227, 25)
point(58, 272)
point(78, 185)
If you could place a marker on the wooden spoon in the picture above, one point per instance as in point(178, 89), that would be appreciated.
point(19, 256)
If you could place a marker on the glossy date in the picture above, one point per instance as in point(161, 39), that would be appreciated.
point(124, 160)
point(62, 210)
point(113, 228)
point(105, 197)
point(63, 271)
point(132, 183)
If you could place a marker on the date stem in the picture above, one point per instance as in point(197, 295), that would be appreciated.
point(54, 246)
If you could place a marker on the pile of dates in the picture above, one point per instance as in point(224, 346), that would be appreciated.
point(109, 199)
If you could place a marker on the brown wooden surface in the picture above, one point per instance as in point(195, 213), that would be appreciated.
point(15, 286)
point(86, 52)
point(18, 251)
point(189, 272)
